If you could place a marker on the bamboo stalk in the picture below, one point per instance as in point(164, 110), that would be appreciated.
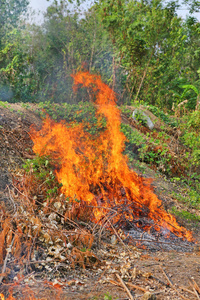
point(125, 287)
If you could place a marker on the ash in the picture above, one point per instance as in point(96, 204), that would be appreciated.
point(157, 240)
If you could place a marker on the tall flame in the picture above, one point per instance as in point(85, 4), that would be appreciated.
point(95, 171)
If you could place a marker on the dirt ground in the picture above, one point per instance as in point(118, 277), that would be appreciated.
point(151, 272)
point(164, 274)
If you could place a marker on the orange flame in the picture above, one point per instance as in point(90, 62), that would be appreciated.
point(95, 171)
point(10, 297)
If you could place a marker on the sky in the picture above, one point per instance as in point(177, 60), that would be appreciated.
point(39, 4)
point(43, 4)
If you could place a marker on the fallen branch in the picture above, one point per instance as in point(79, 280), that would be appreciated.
point(160, 281)
point(125, 246)
point(136, 287)
point(195, 292)
point(168, 279)
point(195, 287)
point(124, 286)
point(9, 249)
point(115, 283)
point(171, 284)
point(186, 290)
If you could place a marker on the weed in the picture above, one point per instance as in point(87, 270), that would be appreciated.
point(106, 296)
point(185, 215)
point(77, 113)
point(191, 138)
point(3, 104)
point(141, 118)
point(163, 116)
point(188, 195)
point(41, 168)
point(127, 111)
point(25, 105)
point(135, 141)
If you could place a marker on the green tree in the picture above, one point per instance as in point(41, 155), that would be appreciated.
point(64, 44)
point(10, 13)
point(151, 43)
point(17, 73)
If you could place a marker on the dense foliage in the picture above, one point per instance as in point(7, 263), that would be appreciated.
point(143, 50)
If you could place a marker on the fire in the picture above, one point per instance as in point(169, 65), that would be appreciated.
point(10, 297)
point(94, 170)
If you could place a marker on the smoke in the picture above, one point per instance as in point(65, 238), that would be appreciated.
point(6, 93)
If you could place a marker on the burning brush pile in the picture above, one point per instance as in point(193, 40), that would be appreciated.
point(56, 214)
point(94, 172)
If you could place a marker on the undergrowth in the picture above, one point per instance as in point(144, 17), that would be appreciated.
point(166, 118)
point(43, 168)
point(184, 214)
point(180, 162)
point(76, 113)
point(191, 137)
point(44, 225)
point(151, 147)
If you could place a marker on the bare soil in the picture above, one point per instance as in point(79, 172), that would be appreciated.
point(164, 274)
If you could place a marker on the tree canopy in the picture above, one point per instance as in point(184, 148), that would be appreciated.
point(142, 49)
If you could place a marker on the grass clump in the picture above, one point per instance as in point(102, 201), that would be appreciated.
point(185, 215)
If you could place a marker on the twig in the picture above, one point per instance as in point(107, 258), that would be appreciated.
point(124, 286)
point(125, 246)
point(162, 282)
point(136, 287)
point(6, 259)
point(103, 273)
point(11, 198)
point(116, 283)
point(196, 286)
point(31, 248)
point(143, 77)
point(197, 295)
point(186, 290)
point(171, 284)
point(168, 279)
